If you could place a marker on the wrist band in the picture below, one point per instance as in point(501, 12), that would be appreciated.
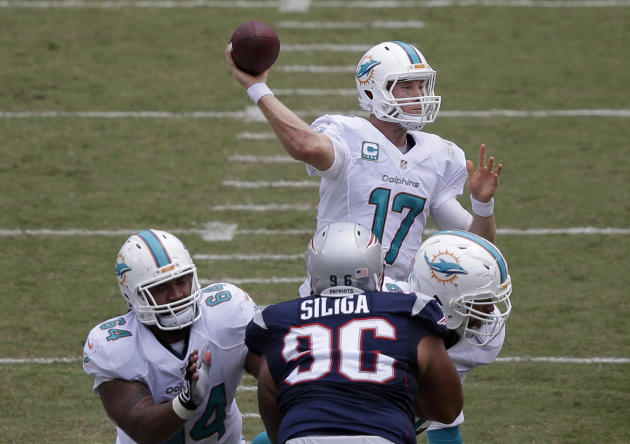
point(257, 91)
point(180, 410)
point(483, 209)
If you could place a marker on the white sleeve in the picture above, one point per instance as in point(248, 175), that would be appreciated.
point(453, 172)
point(330, 126)
point(341, 154)
point(451, 215)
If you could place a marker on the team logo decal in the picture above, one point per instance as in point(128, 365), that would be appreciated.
point(403, 164)
point(121, 269)
point(444, 266)
point(369, 151)
point(365, 71)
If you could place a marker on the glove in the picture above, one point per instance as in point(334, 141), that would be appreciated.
point(421, 425)
point(194, 391)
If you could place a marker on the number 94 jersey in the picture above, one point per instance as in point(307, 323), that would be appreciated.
point(372, 183)
point(346, 365)
point(125, 348)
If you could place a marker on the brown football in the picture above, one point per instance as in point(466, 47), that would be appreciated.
point(255, 47)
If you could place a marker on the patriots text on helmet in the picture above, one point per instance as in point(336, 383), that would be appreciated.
point(322, 306)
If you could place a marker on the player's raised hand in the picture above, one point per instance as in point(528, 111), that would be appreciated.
point(195, 385)
point(483, 181)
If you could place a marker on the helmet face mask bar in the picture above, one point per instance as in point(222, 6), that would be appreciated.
point(148, 260)
point(483, 314)
point(381, 69)
point(174, 315)
point(344, 258)
point(468, 276)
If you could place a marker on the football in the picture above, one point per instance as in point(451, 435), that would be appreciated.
point(255, 47)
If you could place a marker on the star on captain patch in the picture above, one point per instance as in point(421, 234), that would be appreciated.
point(403, 164)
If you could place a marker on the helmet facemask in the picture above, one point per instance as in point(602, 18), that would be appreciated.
point(173, 315)
point(483, 315)
point(390, 109)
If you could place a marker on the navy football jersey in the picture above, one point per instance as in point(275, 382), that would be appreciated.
point(346, 365)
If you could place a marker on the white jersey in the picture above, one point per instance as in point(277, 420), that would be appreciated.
point(372, 183)
point(464, 355)
point(124, 348)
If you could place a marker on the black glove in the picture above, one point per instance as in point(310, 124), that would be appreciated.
point(193, 392)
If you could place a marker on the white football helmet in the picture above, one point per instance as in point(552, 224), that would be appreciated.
point(468, 276)
point(385, 65)
point(150, 258)
point(344, 258)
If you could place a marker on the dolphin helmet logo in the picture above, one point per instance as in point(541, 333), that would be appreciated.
point(444, 267)
point(121, 269)
point(365, 71)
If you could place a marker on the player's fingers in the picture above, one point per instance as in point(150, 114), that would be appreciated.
point(228, 54)
point(470, 166)
point(490, 163)
point(482, 155)
point(499, 168)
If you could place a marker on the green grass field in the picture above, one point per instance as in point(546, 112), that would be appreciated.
point(108, 172)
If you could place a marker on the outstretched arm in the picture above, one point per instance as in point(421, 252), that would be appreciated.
point(130, 404)
point(440, 396)
point(297, 137)
point(267, 401)
point(252, 364)
point(483, 183)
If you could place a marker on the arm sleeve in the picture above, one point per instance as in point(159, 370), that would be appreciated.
point(334, 132)
point(451, 215)
point(454, 173)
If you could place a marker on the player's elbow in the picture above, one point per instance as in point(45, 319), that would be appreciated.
point(311, 148)
point(450, 412)
point(304, 146)
point(444, 409)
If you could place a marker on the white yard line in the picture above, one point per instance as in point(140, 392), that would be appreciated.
point(255, 136)
point(246, 158)
point(330, 47)
point(253, 113)
point(270, 280)
point(552, 359)
point(479, 3)
point(249, 257)
point(222, 231)
point(267, 184)
point(316, 92)
point(263, 208)
point(304, 6)
point(317, 69)
point(298, 24)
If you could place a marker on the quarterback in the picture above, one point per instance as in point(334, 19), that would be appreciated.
point(168, 369)
point(384, 172)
